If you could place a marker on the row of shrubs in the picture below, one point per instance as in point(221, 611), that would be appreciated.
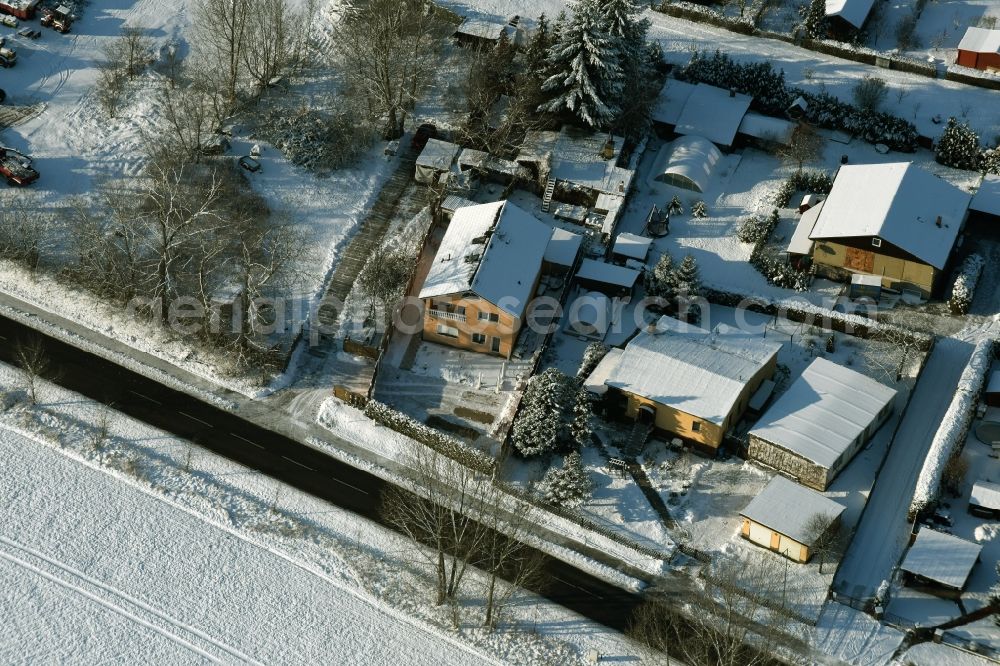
point(778, 271)
point(964, 288)
point(773, 96)
point(816, 182)
point(437, 440)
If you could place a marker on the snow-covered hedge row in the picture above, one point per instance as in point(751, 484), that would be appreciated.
point(801, 310)
point(954, 427)
point(437, 440)
point(772, 96)
point(965, 284)
point(701, 13)
point(816, 182)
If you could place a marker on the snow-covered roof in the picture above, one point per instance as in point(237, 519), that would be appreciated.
point(823, 412)
point(478, 159)
point(788, 508)
point(576, 158)
point(563, 247)
point(702, 375)
point(494, 250)
point(941, 557)
point(438, 155)
point(595, 383)
point(897, 202)
point(800, 242)
point(453, 202)
point(767, 128)
point(599, 271)
point(854, 12)
point(590, 313)
point(693, 158)
point(985, 494)
point(481, 28)
point(713, 113)
point(632, 245)
point(987, 198)
point(980, 40)
point(673, 96)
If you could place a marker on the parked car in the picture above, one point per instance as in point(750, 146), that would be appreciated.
point(8, 21)
point(249, 163)
point(423, 134)
point(30, 33)
point(7, 58)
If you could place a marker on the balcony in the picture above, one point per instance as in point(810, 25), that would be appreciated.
point(443, 314)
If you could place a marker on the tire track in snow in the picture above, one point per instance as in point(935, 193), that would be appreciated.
point(120, 602)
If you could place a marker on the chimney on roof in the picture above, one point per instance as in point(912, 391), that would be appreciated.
point(732, 92)
point(938, 221)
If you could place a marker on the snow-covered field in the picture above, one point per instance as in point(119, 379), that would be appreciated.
point(150, 551)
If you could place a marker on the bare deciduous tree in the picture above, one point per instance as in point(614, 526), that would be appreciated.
point(806, 145)
point(35, 366)
point(824, 541)
point(110, 87)
point(130, 50)
point(388, 51)
point(272, 36)
point(383, 279)
point(220, 37)
point(27, 234)
point(736, 620)
point(437, 521)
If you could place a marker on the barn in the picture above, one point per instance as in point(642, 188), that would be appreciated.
point(980, 49)
point(789, 519)
point(815, 428)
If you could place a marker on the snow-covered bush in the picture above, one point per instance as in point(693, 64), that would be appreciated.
point(989, 161)
point(779, 272)
point(814, 21)
point(816, 182)
point(954, 427)
point(772, 96)
point(541, 424)
point(757, 229)
point(958, 146)
point(965, 284)
point(757, 79)
point(699, 209)
point(869, 93)
point(675, 207)
point(437, 440)
point(321, 141)
point(567, 486)
point(592, 355)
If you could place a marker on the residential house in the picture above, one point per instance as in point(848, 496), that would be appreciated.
point(713, 113)
point(789, 519)
point(685, 380)
point(484, 274)
point(894, 220)
point(814, 429)
point(980, 49)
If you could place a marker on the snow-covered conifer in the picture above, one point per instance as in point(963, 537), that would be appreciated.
point(585, 76)
point(958, 146)
point(569, 485)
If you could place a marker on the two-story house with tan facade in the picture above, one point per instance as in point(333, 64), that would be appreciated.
point(895, 221)
point(484, 274)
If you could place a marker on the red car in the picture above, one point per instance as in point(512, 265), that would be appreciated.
point(16, 167)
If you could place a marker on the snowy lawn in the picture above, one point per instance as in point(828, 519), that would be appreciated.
point(75, 147)
point(131, 548)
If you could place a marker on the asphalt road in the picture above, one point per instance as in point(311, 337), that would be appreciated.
point(280, 457)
